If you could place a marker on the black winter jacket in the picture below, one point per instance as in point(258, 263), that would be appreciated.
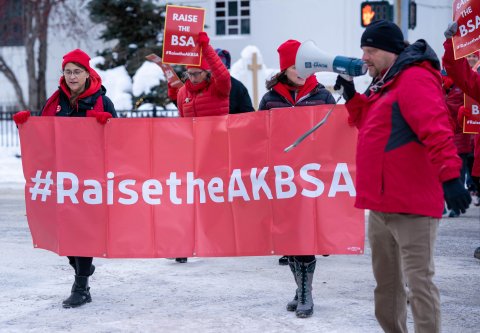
point(239, 98)
point(317, 96)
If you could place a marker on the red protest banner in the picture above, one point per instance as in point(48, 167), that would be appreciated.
point(182, 187)
point(172, 77)
point(182, 25)
point(471, 124)
point(467, 40)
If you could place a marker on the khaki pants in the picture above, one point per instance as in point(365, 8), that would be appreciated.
point(402, 252)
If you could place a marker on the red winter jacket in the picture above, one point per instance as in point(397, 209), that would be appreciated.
point(469, 82)
point(454, 98)
point(405, 146)
point(213, 100)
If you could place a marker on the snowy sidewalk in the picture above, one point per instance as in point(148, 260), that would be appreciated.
point(245, 294)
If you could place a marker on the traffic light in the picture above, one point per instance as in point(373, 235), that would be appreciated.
point(375, 10)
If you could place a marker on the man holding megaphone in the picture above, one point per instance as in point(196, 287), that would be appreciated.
point(405, 154)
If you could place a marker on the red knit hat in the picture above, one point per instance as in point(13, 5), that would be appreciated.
point(77, 56)
point(203, 65)
point(287, 52)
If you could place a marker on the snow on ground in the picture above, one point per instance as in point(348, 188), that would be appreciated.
point(240, 294)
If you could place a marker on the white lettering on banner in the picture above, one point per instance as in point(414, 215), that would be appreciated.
point(472, 26)
point(191, 182)
point(172, 183)
point(466, 11)
point(92, 196)
point(122, 187)
point(282, 182)
point(185, 17)
point(127, 192)
point(342, 171)
point(62, 192)
point(461, 3)
point(315, 181)
point(259, 183)
point(236, 178)
point(149, 188)
point(182, 41)
point(475, 109)
point(215, 185)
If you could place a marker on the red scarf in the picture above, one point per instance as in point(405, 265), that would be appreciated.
point(197, 86)
point(284, 89)
point(52, 106)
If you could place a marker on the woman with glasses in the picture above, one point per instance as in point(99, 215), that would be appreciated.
point(207, 86)
point(287, 89)
point(80, 94)
point(206, 91)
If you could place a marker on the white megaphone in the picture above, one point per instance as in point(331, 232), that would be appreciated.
point(310, 59)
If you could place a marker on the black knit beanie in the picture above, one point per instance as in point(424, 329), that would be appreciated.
point(383, 35)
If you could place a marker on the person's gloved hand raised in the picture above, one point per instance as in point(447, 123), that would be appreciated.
point(102, 117)
point(456, 195)
point(451, 30)
point(21, 117)
point(172, 92)
point(463, 112)
point(203, 39)
point(347, 85)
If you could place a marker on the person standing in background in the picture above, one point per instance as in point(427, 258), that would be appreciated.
point(240, 100)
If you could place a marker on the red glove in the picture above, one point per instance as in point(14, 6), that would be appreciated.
point(203, 39)
point(463, 112)
point(172, 93)
point(21, 117)
point(102, 117)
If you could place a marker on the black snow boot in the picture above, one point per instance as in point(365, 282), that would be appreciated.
point(304, 274)
point(283, 261)
point(80, 293)
point(292, 305)
point(181, 260)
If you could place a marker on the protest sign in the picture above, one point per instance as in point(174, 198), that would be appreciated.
point(182, 25)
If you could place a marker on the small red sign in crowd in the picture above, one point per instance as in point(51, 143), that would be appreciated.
point(467, 14)
point(182, 25)
point(467, 41)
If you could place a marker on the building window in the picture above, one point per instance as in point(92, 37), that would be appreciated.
point(11, 23)
point(232, 17)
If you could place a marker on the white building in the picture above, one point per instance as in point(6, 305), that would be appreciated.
point(334, 25)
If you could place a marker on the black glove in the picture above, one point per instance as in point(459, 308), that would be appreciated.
point(456, 195)
point(348, 87)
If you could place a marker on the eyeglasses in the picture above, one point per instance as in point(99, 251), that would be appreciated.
point(75, 73)
point(193, 74)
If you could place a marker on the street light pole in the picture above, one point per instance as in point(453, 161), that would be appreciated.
point(401, 16)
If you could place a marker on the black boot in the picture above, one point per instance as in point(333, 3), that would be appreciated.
point(292, 305)
point(181, 260)
point(283, 261)
point(304, 272)
point(80, 293)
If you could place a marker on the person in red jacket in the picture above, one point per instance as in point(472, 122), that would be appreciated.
point(80, 94)
point(469, 81)
point(206, 91)
point(207, 87)
point(405, 153)
point(454, 98)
